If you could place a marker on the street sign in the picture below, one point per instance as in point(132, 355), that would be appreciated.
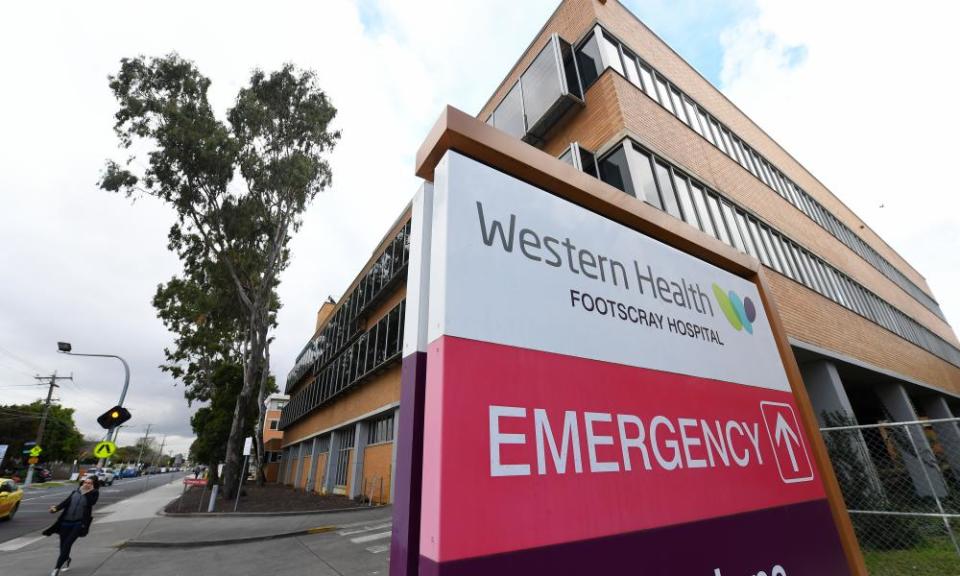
point(104, 449)
point(247, 445)
point(32, 460)
point(621, 405)
point(35, 451)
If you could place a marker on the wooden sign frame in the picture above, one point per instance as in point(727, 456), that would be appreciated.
point(456, 130)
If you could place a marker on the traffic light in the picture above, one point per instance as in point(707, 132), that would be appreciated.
point(113, 417)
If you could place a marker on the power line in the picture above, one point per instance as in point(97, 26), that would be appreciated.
point(20, 359)
point(14, 369)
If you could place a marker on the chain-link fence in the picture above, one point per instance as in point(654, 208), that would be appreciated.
point(901, 484)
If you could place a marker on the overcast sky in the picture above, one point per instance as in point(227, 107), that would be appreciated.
point(862, 97)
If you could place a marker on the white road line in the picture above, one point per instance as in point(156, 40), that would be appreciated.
point(366, 528)
point(370, 538)
point(18, 543)
point(378, 549)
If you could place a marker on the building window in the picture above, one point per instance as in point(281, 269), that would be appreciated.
point(274, 424)
point(667, 194)
point(323, 444)
point(600, 50)
point(346, 439)
point(589, 62)
point(614, 171)
point(631, 168)
point(581, 159)
point(380, 430)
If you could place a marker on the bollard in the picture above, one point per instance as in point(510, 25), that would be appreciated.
point(213, 497)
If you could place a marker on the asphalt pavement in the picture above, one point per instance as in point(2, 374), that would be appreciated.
point(131, 537)
point(34, 514)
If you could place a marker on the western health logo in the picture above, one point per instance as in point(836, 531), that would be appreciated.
point(739, 312)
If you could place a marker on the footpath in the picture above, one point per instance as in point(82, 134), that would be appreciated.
point(133, 537)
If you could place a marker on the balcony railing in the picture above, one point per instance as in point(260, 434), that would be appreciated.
point(345, 324)
point(368, 354)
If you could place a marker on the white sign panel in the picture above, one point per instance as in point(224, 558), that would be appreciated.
point(568, 281)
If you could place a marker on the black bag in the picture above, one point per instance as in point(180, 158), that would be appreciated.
point(53, 529)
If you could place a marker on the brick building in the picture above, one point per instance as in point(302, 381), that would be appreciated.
point(272, 435)
point(597, 89)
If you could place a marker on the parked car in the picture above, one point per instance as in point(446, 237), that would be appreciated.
point(40, 474)
point(10, 497)
point(129, 472)
point(104, 475)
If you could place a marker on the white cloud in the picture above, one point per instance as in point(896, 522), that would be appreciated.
point(869, 109)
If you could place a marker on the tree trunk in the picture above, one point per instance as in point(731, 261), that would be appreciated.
point(213, 476)
point(252, 366)
point(262, 412)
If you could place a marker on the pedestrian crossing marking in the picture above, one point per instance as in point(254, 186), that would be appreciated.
point(361, 530)
point(370, 538)
point(18, 543)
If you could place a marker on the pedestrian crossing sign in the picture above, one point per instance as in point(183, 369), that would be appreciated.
point(104, 449)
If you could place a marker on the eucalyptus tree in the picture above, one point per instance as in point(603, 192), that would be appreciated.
point(238, 186)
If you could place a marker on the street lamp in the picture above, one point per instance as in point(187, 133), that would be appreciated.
point(66, 348)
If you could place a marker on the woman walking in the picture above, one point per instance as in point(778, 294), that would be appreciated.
point(76, 513)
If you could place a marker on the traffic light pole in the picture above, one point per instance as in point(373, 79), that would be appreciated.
point(123, 394)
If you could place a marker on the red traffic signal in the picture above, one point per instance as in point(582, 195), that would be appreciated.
point(113, 417)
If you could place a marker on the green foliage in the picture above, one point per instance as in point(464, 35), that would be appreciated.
point(203, 312)
point(277, 136)
point(19, 422)
point(231, 236)
point(212, 423)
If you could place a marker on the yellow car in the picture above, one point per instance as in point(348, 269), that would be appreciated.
point(10, 496)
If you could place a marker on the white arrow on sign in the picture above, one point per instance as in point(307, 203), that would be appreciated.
point(785, 432)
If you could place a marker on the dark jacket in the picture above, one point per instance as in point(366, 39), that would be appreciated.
point(90, 499)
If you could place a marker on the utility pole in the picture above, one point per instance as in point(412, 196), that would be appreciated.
point(43, 419)
point(159, 457)
point(143, 444)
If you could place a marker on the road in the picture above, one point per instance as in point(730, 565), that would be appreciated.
point(344, 543)
point(34, 508)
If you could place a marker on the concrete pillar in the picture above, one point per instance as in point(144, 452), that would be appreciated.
point(318, 481)
point(299, 465)
point(331, 464)
point(308, 486)
point(922, 466)
point(393, 455)
point(948, 433)
point(287, 464)
point(829, 398)
point(851, 461)
point(359, 447)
